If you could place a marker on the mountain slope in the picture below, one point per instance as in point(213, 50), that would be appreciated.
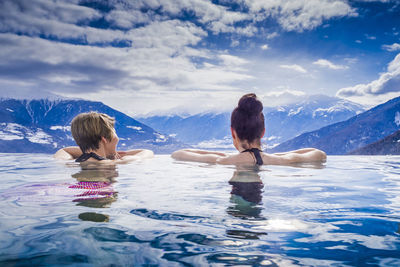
point(193, 129)
point(390, 145)
point(44, 126)
point(356, 132)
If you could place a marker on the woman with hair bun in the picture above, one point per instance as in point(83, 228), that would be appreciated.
point(247, 128)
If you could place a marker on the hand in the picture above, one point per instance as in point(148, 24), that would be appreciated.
point(120, 154)
point(116, 155)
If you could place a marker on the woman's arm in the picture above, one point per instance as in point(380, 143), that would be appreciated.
point(308, 155)
point(136, 152)
point(298, 151)
point(205, 152)
point(71, 152)
point(198, 155)
point(141, 153)
point(132, 155)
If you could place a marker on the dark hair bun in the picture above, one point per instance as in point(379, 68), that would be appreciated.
point(250, 104)
point(247, 119)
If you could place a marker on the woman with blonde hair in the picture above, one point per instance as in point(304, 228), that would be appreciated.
point(97, 141)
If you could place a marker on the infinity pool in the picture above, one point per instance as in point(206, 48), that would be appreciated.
point(164, 212)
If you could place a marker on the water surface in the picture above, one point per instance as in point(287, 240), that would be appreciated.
point(164, 212)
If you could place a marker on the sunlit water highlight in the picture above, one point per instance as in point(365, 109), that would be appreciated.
point(163, 212)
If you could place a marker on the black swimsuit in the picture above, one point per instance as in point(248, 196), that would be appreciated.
point(86, 156)
point(256, 153)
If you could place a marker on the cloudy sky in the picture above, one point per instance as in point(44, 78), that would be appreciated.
point(189, 56)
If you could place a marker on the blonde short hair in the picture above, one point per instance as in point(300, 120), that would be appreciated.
point(88, 129)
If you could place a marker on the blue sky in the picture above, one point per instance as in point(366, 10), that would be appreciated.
point(189, 56)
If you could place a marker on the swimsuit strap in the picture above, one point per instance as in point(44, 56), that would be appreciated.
point(86, 156)
point(256, 153)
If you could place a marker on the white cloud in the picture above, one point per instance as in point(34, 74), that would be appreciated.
point(231, 61)
point(54, 19)
point(385, 87)
point(351, 60)
point(235, 43)
point(299, 15)
point(63, 11)
point(327, 64)
point(370, 37)
point(127, 19)
point(286, 92)
point(54, 47)
point(294, 67)
point(159, 65)
point(392, 47)
point(272, 35)
point(282, 97)
point(213, 17)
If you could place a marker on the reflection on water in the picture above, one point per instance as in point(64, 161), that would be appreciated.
point(94, 217)
point(246, 194)
point(167, 214)
point(95, 185)
point(246, 200)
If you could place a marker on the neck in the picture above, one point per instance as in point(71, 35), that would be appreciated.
point(101, 151)
point(243, 146)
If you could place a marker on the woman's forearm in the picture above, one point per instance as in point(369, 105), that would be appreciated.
point(145, 153)
point(198, 151)
point(298, 151)
point(313, 155)
point(188, 155)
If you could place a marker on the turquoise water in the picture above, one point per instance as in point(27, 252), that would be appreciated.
point(163, 212)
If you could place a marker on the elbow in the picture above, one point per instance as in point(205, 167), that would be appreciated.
point(177, 154)
point(62, 154)
point(148, 153)
point(320, 155)
point(58, 153)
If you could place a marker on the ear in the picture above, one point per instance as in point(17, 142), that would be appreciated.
point(263, 133)
point(104, 140)
point(233, 132)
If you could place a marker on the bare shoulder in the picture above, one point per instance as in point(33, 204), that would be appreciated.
point(62, 154)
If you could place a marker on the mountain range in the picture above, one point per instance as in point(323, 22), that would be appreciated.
point(344, 137)
point(331, 124)
point(212, 130)
point(44, 126)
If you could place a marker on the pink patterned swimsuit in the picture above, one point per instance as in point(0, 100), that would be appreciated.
point(96, 190)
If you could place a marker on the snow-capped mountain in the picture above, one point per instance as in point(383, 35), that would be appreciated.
point(210, 130)
point(44, 126)
point(285, 122)
point(356, 132)
point(194, 129)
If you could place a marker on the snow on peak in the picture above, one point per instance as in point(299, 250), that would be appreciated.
point(137, 128)
point(160, 138)
point(397, 118)
point(14, 131)
point(293, 112)
point(62, 128)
